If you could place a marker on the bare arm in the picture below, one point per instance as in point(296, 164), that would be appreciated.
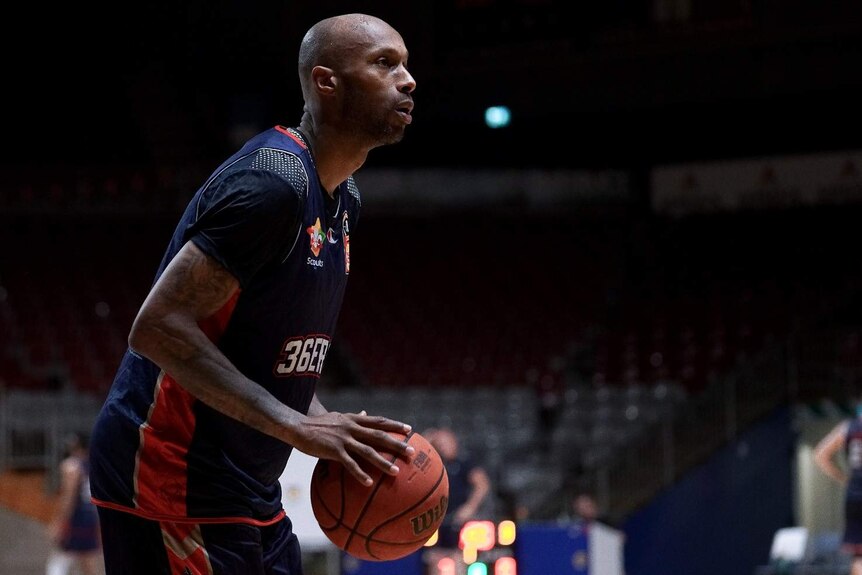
point(481, 485)
point(316, 408)
point(827, 448)
point(194, 287)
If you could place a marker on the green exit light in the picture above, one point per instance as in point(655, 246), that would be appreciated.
point(497, 117)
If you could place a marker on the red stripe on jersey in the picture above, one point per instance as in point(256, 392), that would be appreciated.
point(288, 133)
point(215, 325)
point(161, 482)
point(160, 478)
point(198, 520)
point(186, 553)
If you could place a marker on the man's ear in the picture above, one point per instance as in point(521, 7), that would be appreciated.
point(323, 79)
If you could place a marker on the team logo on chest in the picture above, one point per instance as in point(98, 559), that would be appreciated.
point(315, 237)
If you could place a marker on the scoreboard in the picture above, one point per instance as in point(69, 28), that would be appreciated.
point(504, 548)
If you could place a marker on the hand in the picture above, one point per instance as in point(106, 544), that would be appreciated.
point(351, 437)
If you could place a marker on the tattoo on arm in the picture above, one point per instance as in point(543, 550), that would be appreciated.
point(199, 283)
point(193, 288)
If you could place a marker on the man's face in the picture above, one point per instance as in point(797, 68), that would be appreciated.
point(585, 507)
point(376, 87)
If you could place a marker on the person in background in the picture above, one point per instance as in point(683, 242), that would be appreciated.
point(550, 394)
point(585, 511)
point(74, 528)
point(469, 485)
point(846, 439)
point(605, 540)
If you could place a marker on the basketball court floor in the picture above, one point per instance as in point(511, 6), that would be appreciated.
point(25, 548)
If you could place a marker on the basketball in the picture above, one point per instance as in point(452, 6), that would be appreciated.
point(392, 517)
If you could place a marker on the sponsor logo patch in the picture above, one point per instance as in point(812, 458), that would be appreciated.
point(315, 235)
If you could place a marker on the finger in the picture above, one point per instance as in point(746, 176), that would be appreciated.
point(382, 422)
point(355, 470)
point(372, 456)
point(384, 441)
point(385, 463)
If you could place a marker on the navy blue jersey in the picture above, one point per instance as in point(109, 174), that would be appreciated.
point(160, 453)
point(853, 452)
point(458, 470)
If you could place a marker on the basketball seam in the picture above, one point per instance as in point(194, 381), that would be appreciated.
point(369, 537)
point(339, 519)
point(370, 498)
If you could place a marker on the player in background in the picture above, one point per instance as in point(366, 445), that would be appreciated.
point(469, 488)
point(74, 528)
point(846, 438)
point(218, 384)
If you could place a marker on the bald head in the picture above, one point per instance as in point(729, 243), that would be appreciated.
point(331, 41)
point(356, 89)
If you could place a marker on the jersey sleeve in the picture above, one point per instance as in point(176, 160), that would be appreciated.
point(247, 221)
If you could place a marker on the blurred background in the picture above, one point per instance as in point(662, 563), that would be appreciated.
point(642, 286)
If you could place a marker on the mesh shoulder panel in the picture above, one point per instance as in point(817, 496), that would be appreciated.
point(353, 190)
point(285, 164)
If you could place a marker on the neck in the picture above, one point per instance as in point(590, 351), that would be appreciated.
point(335, 158)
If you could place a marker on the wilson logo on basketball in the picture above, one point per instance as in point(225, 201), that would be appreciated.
point(430, 518)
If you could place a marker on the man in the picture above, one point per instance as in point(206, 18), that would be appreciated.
point(846, 438)
point(218, 384)
point(585, 512)
point(74, 528)
point(605, 541)
point(469, 485)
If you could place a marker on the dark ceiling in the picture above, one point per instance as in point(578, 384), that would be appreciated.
point(621, 84)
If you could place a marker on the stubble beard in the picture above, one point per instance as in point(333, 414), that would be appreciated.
point(372, 123)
